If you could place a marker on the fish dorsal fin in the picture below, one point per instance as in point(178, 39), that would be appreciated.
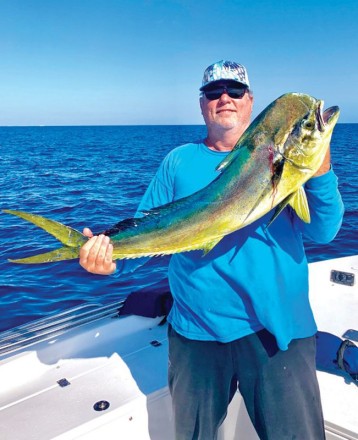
point(298, 201)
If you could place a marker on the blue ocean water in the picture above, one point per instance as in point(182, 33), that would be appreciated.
point(95, 176)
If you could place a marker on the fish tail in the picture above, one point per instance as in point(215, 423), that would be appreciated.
point(64, 253)
point(69, 237)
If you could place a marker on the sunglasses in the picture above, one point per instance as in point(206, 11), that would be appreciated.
point(233, 92)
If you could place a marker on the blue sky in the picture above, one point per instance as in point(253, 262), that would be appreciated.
point(104, 62)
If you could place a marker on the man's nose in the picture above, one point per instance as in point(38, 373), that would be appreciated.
point(224, 96)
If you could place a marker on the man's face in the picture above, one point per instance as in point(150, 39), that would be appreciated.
point(225, 113)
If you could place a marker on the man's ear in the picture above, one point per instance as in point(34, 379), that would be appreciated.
point(201, 102)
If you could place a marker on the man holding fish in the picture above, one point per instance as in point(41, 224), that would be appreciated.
point(241, 317)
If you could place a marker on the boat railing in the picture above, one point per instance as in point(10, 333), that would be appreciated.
point(55, 325)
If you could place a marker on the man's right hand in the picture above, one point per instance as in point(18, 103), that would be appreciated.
point(96, 256)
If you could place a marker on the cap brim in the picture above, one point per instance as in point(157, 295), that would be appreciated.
point(225, 80)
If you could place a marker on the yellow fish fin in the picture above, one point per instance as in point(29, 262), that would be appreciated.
point(299, 203)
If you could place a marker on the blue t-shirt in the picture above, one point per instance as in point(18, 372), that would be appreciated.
point(254, 278)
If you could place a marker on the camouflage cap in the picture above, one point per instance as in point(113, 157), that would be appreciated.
point(225, 70)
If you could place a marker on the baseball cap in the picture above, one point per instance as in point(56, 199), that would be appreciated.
point(225, 70)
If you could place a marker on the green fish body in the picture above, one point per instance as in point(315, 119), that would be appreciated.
point(282, 148)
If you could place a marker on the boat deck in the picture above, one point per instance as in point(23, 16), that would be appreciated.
point(51, 381)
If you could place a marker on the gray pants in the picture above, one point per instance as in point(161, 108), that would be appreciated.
point(280, 388)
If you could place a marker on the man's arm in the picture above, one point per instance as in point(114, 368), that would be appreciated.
point(325, 203)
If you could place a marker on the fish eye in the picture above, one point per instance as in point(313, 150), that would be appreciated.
point(309, 125)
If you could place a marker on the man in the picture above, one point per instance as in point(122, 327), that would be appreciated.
point(241, 315)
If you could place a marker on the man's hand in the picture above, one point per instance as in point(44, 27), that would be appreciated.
point(96, 256)
point(326, 164)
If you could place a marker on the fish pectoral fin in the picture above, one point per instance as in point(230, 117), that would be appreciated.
point(299, 203)
point(64, 253)
point(210, 245)
point(267, 190)
point(279, 208)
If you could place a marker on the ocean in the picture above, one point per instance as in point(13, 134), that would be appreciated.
point(95, 176)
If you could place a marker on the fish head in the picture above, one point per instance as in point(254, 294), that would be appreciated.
point(306, 139)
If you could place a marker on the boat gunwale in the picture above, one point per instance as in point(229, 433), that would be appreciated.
point(48, 327)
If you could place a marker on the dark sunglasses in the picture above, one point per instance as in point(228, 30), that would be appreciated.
point(233, 92)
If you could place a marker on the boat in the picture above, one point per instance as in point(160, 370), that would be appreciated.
point(94, 372)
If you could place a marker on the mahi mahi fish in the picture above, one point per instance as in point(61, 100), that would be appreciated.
point(281, 149)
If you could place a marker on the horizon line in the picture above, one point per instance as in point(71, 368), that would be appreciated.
point(121, 125)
